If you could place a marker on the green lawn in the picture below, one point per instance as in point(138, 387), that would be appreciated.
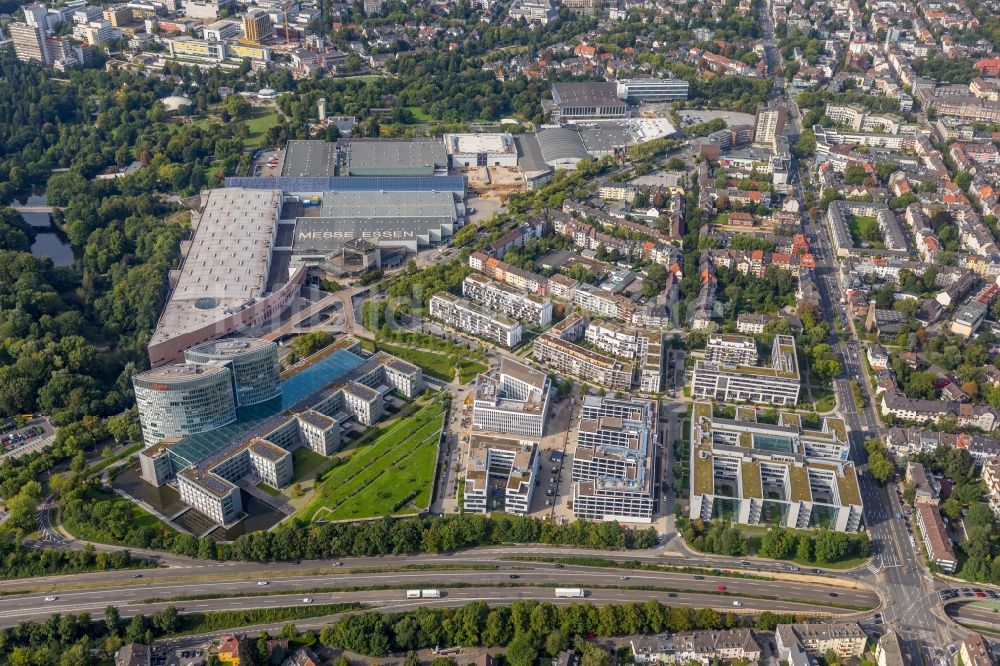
point(437, 365)
point(399, 464)
point(261, 119)
point(826, 403)
point(866, 229)
point(419, 115)
point(305, 462)
point(273, 492)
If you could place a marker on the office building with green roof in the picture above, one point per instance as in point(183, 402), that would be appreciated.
point(781, 474)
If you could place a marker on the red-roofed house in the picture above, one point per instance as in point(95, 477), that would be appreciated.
point(229, 649)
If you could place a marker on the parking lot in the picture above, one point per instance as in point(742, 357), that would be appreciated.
point(267, 163)
point(169, 656)
point(36, 435)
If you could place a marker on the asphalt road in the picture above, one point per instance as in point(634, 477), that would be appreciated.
point(975, 615)
point(534, 581)
point(896, 566)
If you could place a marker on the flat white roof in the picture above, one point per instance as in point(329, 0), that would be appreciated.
point(479, 143)
point(228, 262)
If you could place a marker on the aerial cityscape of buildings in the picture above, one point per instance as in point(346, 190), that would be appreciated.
point(664, 322)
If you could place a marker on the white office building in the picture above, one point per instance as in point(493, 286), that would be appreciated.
point(614, 465)
point(500, 475)
point(515, 402)
point(772, 474)
point(652, 90)
point(778, 384)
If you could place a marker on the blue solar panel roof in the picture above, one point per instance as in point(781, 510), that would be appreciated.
point(350, 183)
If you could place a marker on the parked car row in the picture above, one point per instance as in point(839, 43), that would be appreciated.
point(972, 592)
point(11, 440)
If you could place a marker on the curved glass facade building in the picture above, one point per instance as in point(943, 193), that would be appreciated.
point(254, 365)
point(183, 399)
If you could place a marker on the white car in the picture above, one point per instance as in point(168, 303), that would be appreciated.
point(307, 600)
point(262, 583)
point(51, 598)
point(737, 603)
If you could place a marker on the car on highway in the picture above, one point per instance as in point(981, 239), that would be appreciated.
point(623, 578)
point(262, 583)
point(699, 578)
point(833, 594)
point(514, 576)
point(980, 594)
point(737, 603)
point(672, 595)
point(136, 575)
point(51, 598)
point(307, 600)
point(721, 588)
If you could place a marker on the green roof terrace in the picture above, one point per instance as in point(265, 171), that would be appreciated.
point(799, 482)
point(751, 481)
point(704, 482)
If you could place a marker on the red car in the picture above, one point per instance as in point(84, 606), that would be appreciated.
point(980, 594)
point(721, 588)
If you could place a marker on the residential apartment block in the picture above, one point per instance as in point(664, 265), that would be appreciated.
point(645, 347)
point(500, 475)
point(783, 474)
point(794, 641)
point(726, 382)
point(702, 647)
point(558, 349)
point(465, 315)
point(991, 478)
point(614, 466)
point(731, 349)
point(515, 402)
point(935, 537)
point(528, 308)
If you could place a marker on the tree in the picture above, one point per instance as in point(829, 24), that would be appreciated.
point(804, 549)
point(166, 620)
point(880, 467)
point(250, 653)
point(237, 106)
point(522, 651)
point(831, 546)
point(655, 280)
point(806, 145)
point(951, 509)
point(112, 620)
point(556, 642)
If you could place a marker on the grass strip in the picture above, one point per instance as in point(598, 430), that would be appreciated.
point(581, 561)
point(203, 623)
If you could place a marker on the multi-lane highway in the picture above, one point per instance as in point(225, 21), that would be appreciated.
point(381, 581)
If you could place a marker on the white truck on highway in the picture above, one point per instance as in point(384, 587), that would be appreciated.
point(423, 594)
point(569, 592)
